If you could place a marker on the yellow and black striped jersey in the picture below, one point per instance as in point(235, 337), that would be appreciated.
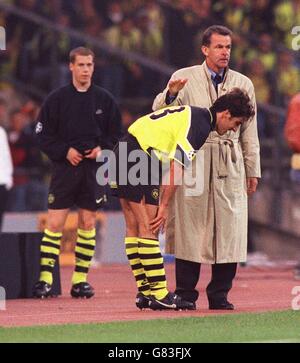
point(176, 132)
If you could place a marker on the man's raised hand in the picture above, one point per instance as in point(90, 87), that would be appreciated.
point(176, 85)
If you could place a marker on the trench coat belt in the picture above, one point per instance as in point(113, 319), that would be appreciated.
point(227, 150)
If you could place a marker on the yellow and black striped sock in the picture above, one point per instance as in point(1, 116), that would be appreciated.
point(84, 252)
point(153, 263)
point(131, 246)
point(50, 247)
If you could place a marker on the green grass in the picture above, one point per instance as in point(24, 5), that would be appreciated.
point(276, 326)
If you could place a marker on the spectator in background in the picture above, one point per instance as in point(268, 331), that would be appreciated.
point(264, 52)
point(127, 118)
point(235, 14)
point(151, 47)
point(184, 23)
point(20, 32)
point(259, 77)
point(155, 15)
point(292, 135)
point(132, 6)
point(259, 11)
point(19, 143)
point(50, 73)
point(37, 164)
point(3, 112)
point(286, 16)
point(288, 77)
point(94, 28)
point(119, 75)
point(202, 10)
point(114, 14)
point(88, 9)
point(9, 58)
point(29, 192)
point(239, 52)
point(152, 43)
point(6, 172)
point(51, 10)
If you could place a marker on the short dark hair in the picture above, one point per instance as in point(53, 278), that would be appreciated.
point(214, 29)
point(80, 51)
point(237, 102)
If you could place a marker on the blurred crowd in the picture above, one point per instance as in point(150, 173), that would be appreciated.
point(168, 31)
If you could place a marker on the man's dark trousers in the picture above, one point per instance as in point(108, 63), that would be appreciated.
point(187, 276)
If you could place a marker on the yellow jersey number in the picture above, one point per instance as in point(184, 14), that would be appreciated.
point(165, 112)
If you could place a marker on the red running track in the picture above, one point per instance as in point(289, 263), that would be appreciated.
point(254, 290)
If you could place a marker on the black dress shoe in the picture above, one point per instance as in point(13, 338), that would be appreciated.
point(221, 305)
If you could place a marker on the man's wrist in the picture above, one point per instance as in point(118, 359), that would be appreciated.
point(164, 204)
point(170, 98)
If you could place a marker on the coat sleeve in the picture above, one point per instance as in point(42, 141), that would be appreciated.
point(249, 140)
point(160, 100)
point(47, 131)
point(113, 129)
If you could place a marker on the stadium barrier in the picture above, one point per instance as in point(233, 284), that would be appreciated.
point(20, 265)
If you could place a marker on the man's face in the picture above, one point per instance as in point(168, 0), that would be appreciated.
point(82, 69)
point(226, 122)
point(217, 54)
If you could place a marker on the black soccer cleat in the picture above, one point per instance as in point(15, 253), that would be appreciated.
point(83, 290)
point(171, 302)
point(142, 301)
point(42, 290)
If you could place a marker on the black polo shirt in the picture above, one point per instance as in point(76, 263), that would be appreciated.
point(82, 120)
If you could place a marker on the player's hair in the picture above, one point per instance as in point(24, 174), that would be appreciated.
point(214, 29)
point(237, 102)
point(80, 51)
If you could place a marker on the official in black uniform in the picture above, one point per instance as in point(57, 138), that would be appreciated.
point(76, 122)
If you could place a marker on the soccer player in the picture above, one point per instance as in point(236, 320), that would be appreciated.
point(176, 134)
point(75, 123)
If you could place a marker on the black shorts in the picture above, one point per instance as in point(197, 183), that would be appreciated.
point(75, 186)
point(123, 187)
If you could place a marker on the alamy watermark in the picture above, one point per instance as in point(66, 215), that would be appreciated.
point(296, 300)
point(2, 298)
point(2, 38)
point(137, 168)
point(296, 39)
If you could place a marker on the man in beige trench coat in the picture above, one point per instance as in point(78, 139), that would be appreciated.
point(208, 220)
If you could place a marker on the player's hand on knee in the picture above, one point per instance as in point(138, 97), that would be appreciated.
point(158, 223)
point(74, 156)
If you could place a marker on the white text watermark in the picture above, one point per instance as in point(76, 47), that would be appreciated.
point(296, 299)
point(296, 39)
point(2, 38)
point(139, 168)
point(2, 298)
